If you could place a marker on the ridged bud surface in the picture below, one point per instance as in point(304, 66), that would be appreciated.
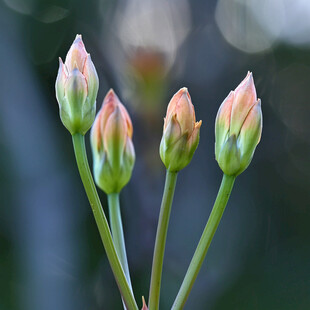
point(238, 128)
point(181, 132)
point(112, 147)
point(76, 89)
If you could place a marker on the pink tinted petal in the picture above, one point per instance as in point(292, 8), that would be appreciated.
point(77, 54)
point(114, 136)
point(224, 113)
point(173, 132)
point(245, 98)
point(108, 106)
point(173, 103)
point(128, 120)
point(60, 81)
point(252, 127)
point(185, 115)
point(91, 77)
point(96, 133)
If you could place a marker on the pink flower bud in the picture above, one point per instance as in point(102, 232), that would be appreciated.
point(181, 132)
point(144, 306)
point(111, 141)
point(76, 89)
point(238, 128)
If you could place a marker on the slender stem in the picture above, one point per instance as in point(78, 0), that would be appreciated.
point(205, 241)
point(103, 227)
point(160, 242)
point(117, 232)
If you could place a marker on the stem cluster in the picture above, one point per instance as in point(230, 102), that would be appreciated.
point(115, 247)
point(238, 129)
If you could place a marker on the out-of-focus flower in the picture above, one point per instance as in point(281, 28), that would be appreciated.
point(152, 26)
point(142, 49)
point(76, 89)
point(113, 151)
point(238, 128)
point(181, 132)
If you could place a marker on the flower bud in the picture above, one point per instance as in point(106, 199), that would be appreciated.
point(238, 128)
point(76, 89)
point(181, 132)
point(144, 306)
point(113, 151)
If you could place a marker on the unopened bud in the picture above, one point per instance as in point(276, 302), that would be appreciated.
point(238, 128)
point(181, 132)
point(144, 306)
point(76, 89)
point(111, 142)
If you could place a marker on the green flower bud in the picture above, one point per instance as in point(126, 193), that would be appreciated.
point(181, 132)
point(238, 128)
point(111, 142)
point(76, 89)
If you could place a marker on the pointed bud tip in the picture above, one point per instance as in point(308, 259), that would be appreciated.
point(62, 70)
point(198, 124)
point(249, 77)
point(246, 81)
point(184, 92)
point(111, 92)
point(79, 41)
point(259, 102)
point(144, 306)
point(111, 98)
point(78, 37)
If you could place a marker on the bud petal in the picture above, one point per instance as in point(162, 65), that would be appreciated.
point(171, 156)
point(91, 77)
point(129, 154)
point(173, 130)
point(181, 132)
point(229, 158)
point(60, 81)
point(245, 98)
point(75, 96)
point(77, 54)
point(181, 106)
point(113, 151)
point(76, 89)
point(173, 103)
point(114, 137)
point(185, 112)
point(238, 128)
point(250, 134)
point(193, 140)
point(222, 122)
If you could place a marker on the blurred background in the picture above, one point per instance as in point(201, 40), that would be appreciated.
point(51, 256)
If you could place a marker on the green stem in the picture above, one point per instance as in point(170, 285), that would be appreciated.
point(103, 227)
point(205, 241)
point(117, 232)
point(160, 242)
